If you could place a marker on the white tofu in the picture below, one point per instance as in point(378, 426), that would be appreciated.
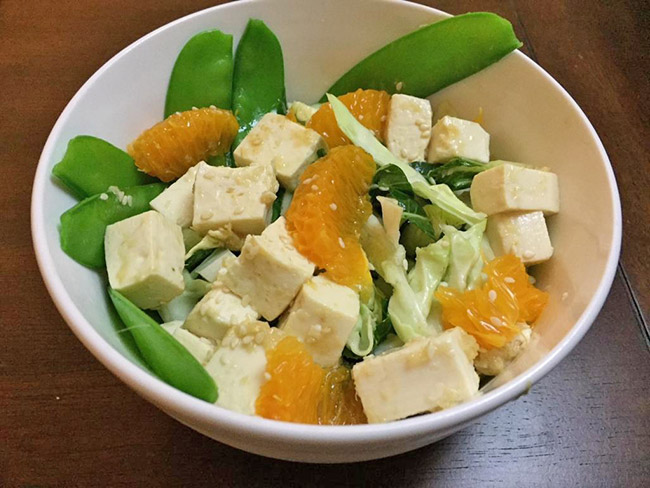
point(285, 145)
point(177, 201)
point(408, 127)
point(422, 376)
point(493, 361)
point(145, 256)
point(238, 367)
point(322, 317)
point(509, 187)
point(241, 197)
point(452, 137)
point(217, 312)
point(202, 349)
point(523, 234)
point(269, 271)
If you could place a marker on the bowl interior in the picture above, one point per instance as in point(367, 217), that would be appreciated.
point(530, 119)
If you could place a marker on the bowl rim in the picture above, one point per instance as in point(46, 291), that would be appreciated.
point(175, 402)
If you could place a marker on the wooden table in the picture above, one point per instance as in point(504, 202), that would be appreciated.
point(64, 420)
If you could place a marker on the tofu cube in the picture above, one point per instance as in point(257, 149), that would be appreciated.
point(238, 367)
point(322, 317)
point(509, 187)
point(217, 312)
point(269, 271)
point(408, 127)
point(241, 197)
point(422, 376)
point(523, 234)
point(285, 145)
point(458, 138)
point(177, 201)
point(145, 258)
point(202, 349)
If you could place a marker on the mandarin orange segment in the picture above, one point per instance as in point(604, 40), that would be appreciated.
point(328, 210)
point(168, 149)
point(299, 390)
point(294, 388)
point(368, 106)
point(340, 404)
point(491, 313)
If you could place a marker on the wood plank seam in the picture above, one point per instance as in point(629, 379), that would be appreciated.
point(636, 307)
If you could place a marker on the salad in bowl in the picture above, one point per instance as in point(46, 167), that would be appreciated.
point(361, 258)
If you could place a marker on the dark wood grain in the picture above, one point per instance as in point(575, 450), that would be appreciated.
point(64, 420)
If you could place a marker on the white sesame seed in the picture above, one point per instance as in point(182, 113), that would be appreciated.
point(103, 196)
point(267, 375)
point(207, 215)
point(508, 279)
point(333, 206)
point(314, 187)
point(341, 243)
point(529, 254)
point(444, 283)
point(532, 280)
point(492, 295)
point(496, 321)
point(565, 295)
point(361, 117)
point(399, 85)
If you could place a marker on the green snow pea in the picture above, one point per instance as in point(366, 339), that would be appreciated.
point(90, 165)
point(258, 80)
point(83, 226)
point(433, 57)
point(164, 354)
point(202, 74)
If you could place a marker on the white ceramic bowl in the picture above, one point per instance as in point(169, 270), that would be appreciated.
point(529, 116)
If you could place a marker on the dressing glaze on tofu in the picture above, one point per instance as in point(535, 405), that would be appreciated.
point(278, 142)
point(238, 366)
point(217, 312)
point(424, 375)
point(322, 317)
point(177, 202)
point(523, 234)
point(509, 187)
point(145, 256)
point(239, 197)
point(269, 271)
point(452, 137)
point(408, 127)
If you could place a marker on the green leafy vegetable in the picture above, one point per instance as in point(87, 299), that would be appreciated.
point(202, 74)
point(164, 354)
point(197, 256)
point(371, 328)
point(412, 238)
point(444, 198)
point(457, 173)
point(181, 306)
point(90, 165)
point(433, 57)
point(258, 79)
point(84, 225)
point(276, 210)
point(465, 255)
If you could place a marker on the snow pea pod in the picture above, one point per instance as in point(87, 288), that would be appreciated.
point(164, 354)
point(84, 225)
point(258, 79)
point(90, 165)
point(202, 74)
point(433, 57)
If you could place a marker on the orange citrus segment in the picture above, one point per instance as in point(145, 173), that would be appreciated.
point(168, 149)
point(299, 390)
point(328, 210)
point(294, 389)
point(340, 404)
point(491, 313)
point(368, 106)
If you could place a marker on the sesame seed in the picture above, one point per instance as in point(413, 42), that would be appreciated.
point(314, 187)
point(565, 295)
point(361, 117)
point(529, 254)
point(207, 215)
point(307, 181)
point(508, 279)
point(103, 196)
point(333, 206)
point(267, 375)
point(532, 280)
point(341, 243)
point(444, 283)
point(399, 85)
point(492, 295)
point(496, 321)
